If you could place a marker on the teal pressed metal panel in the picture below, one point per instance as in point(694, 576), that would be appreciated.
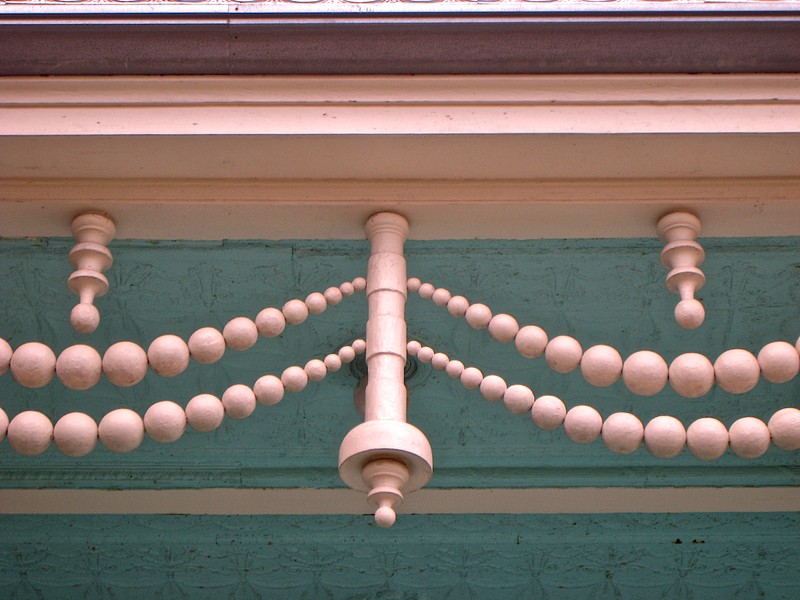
point(509, 557)
point(600, 291)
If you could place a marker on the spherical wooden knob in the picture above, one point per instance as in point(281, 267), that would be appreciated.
point(386, 477)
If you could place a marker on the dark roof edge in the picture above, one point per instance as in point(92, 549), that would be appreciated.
point(591, 43)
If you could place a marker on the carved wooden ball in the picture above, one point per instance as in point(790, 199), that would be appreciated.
point(583, 424)
point(563, 354)
point(441, 296)
point(316, 303)
point(665, 437)
point(347, 288)
point(531, 341)
point(503, 328)
point(426, 290)
point(493, 388)
point(518, 399)
point(413, 284)
point(3, 424)
point(691, 375)
point(332, 363)
point(239, 401)
point(737, 371)
point(457, 306)
point(690, 313)
point(205, 412)
point(478, 316)
point(84, 317)
point(359, 284)
point(707, 438)
point(471, 378)
point(240, 333)
point(270, 322)
point(425, 354)
point(439, 361)
point(168, 355)
point(30, 433)
point(165, 421)
point(125, 364)
point(359, 346)
point(269, 390)
point(454, 369)
point(75, 434)
point(784, 427)
point(347, 354)
point(779, 362)
point(645, 373)
point(33, 365)
point(548, 412)
point(79, 367)
point(601, 365)
point(413, 347)
point(315, 369)
point(385, 516)
point(295, 311)
point(294, 379)
point(5, 356)
point(121, 430)
point(622, 433)
point(206, 345)
point(749, 437)
point(333, 296)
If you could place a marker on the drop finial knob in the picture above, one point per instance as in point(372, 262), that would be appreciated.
point(92, 230)
point(386, 478)
point(682, 255)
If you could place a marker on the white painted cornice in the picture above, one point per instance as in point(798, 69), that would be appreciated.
point(462, 157)
point(607, 104)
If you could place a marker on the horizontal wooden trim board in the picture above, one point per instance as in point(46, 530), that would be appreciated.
point(453, 501)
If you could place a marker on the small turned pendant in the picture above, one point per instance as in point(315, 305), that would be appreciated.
point(90, 257)
point(682, 255)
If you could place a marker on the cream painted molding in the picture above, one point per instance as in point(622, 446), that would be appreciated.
point(227, 501)
point(395, 105)
point(554, 156)
point(530, 209)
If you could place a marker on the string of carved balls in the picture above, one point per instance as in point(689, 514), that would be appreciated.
point(644, 373)
point(125, 364)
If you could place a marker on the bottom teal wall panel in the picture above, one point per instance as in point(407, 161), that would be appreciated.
point(703, 556)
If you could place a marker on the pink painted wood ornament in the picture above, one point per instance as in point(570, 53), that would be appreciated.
point(75, 434)
point(548, 412)
point(33, 365)
point(125, 364)
point(165, 422)
point(205, 412)
point(121, 430)
point(240, 333)
point(239, 401)
point(30, 433)
point(206, 345)
point(665, 437)
point(168, 355)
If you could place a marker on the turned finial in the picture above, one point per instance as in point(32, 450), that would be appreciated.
point(93, 231)
point(386, 478)
point(682, 255)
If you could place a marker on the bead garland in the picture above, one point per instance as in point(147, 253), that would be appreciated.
point(644, 373)
point(623, 433)
point(122, 430)
point(125, 364)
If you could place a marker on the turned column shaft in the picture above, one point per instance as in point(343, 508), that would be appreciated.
point(386, 394)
